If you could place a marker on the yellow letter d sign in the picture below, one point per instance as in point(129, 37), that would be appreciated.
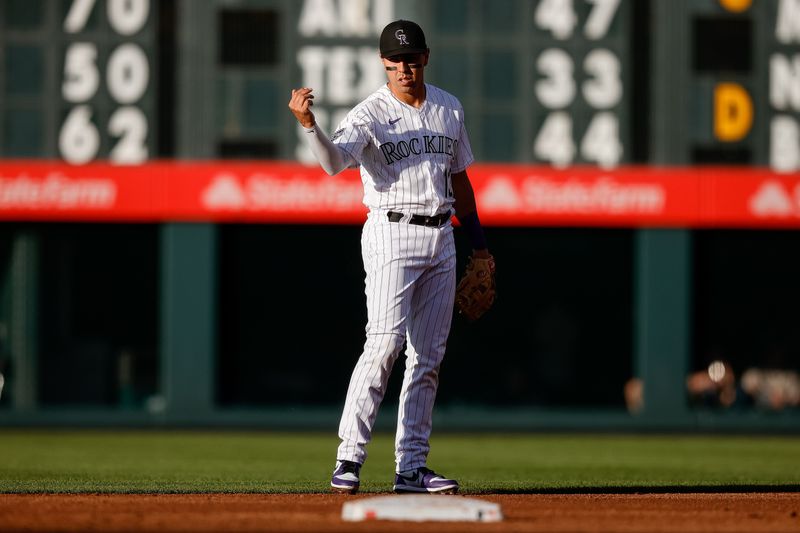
point(733, 112)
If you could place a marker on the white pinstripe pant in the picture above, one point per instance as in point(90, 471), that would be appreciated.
point(410, 287)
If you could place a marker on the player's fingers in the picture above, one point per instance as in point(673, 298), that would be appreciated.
point(299, 96)
point(307, 99)
point(298, 93)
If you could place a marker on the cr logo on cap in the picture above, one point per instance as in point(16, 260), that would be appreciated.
point(401, 36)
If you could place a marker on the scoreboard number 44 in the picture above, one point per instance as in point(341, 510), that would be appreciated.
point(557, 90)
point(127, 76)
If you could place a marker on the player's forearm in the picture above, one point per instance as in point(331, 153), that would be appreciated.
point(330, 158)
point(463, 194)
point(467, 212)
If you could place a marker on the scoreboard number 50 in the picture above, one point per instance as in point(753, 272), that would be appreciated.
point(127, 76)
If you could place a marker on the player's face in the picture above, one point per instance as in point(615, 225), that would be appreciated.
point(405, 72)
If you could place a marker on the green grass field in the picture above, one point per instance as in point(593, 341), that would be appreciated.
point(262, 462)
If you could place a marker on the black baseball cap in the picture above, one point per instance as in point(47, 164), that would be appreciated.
point(402, 37)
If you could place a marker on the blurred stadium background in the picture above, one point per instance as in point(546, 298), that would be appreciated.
point(169, 257)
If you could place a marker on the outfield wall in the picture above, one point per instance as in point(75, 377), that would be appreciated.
point(209, 293)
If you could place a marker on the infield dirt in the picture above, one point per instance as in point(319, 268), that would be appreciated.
point(686, 513)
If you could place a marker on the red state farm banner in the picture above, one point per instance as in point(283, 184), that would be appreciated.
point(512, 195)
point(175, 191)
point(638, 196)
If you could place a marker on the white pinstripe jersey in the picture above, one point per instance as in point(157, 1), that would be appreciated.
point(407, 154)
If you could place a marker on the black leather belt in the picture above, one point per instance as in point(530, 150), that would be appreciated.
point(421, 220)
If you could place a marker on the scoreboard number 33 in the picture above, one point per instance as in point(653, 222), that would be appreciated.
point(127, 76)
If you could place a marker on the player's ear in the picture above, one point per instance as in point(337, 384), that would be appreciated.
point(427, 55)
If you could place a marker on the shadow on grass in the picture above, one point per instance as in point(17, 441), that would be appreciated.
point(656, 489)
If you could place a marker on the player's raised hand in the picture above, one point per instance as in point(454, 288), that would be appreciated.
point(300, 104)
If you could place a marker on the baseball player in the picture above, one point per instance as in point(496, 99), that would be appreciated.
point(409, 140)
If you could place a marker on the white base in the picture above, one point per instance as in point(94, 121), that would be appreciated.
point(422, 508)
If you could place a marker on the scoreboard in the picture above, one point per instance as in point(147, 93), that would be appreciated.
point(743, 78)
point(565, 63)
point(106, 95)
point(78, 80)
point(336, 55)
point(780, 23)
point(557, 83)
point(580, 53)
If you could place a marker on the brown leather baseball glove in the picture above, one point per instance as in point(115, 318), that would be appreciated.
point(476, 291)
